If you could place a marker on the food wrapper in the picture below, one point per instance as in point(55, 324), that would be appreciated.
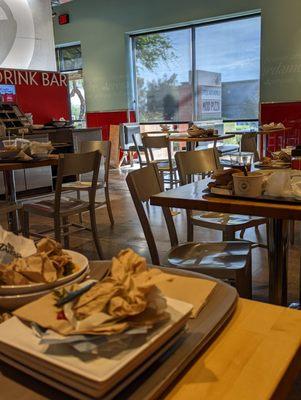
point(129, 298)
point(22, 263)
point(12, 246)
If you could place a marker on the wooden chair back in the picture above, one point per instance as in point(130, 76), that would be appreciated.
point(157, 142)
point(191, 163)
point(249, 144)
point(104, 147)
point(137, 139)
point(143, 184)
point(77, 164)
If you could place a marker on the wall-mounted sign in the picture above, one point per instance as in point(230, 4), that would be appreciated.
point(26, 34)
point(8, 93)
point(32, 78)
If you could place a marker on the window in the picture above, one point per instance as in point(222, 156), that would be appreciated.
point(69, 61)
point(163, 64)
point(223, 84)
point(228, 69)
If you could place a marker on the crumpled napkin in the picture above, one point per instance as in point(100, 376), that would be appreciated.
point(284, 184)
point(127, 299)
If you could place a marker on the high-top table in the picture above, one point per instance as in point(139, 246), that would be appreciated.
point(8, 169)
point(192, 197)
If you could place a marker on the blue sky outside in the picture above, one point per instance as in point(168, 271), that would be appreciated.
point(231, 48)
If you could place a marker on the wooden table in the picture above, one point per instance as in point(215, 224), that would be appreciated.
point(191, 141)
point(192, 197)
point(255, 356)
point(8, 169)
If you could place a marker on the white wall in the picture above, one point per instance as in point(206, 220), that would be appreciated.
point(26, 35)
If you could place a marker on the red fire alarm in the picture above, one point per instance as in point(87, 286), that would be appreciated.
point(64, 19)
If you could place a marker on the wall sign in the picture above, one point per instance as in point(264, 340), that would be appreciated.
point(26, 33)
point(32, 78)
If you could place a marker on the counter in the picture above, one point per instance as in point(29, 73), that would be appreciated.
point(65, 140)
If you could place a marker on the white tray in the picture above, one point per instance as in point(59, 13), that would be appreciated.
point(93, 378)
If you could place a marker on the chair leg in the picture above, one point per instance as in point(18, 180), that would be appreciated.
point(108, 204)
point(94, 233)
point(243, 283)
point(57, 229)
point(80, 215)
point(25, 223)
point(292, 232)
point(228, 235)
point(242, 233)
point(66, 232)
point(190, 227)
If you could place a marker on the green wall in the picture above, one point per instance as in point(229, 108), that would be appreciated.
point(101, 26)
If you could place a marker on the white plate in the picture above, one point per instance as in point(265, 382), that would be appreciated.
point(78, 259)
point(12, 302)
point(100, 374)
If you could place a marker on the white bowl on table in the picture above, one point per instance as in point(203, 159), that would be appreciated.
point(78, 259)
point(12, 302)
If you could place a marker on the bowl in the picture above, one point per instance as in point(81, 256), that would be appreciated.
point(78, 259)
point(12, 302)
point(248, 186)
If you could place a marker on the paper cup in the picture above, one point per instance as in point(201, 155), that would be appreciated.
point(248, 186)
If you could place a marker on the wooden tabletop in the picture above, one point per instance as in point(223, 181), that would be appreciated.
point(192, 197)
point(260, 132)
point(256, 356)
point(182, 137)
point(11, 166)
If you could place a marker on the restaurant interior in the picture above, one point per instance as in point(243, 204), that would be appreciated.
point(150, 199)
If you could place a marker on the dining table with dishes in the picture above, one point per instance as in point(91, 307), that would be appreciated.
point(186, 344)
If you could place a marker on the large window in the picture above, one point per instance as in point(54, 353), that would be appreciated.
point(203, 72)
point(69, 61)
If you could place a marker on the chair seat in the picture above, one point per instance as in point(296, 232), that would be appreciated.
point(81, 185)
point(163, 165)
point(221, 221)
point(210, 257)
point(45, 208)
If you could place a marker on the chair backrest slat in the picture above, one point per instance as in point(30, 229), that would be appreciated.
point(76, 164)
point(196, 162)
point(104, 147)
point(143, 184)
point(249, 144)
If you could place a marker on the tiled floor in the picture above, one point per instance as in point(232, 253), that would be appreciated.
point(127, 232)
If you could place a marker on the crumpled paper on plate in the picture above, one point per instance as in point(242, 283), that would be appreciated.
point(127, 299)
point(284, 184)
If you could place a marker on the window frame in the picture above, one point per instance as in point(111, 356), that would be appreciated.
point(192, 27)
point(69, 72)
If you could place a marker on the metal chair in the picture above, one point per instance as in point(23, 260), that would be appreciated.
point(84, 183)
point(249, 144)
point(205, 162)
point(166, 167)
point(227, 260)
point(137, 139)
point(59, 208)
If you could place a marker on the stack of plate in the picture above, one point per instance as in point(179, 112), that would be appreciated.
point(15, 296)
point(100, 377)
